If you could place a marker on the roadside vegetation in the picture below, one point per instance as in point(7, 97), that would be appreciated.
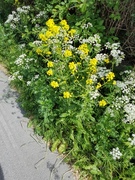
point(72, 63)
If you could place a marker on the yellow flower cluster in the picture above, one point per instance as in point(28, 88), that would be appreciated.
point(110, 76)
point(42, 37)
point(67, 95)
point(72, 32)
point(83, 48)
point(54, 84)
point(64, 24)
point(52, 30)
point(49, 72)
point(89, 81)
point(38, 51)
point(93, 62)
point(106, 60)
point(50, 23)
point(114, 83)
point(98, 85)
point(102, 103)
point(67, 53)
point(92, 65)
point(50, 64)
point(72, 66)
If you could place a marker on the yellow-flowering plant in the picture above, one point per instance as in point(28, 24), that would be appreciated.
point(78, 103)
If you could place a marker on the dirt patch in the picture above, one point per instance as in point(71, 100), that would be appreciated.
point(3, 68)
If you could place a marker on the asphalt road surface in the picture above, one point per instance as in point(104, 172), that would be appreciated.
point(23, 155)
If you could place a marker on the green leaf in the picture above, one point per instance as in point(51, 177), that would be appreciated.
point(62, 148)
point(55, 145)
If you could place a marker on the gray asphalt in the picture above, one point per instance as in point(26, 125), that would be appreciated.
point(24, 155)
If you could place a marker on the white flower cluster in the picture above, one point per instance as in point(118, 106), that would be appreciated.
point(102, 71)
point(19, 61)
point(94, 94)
point(110, 111)
point(22, 46)
point(87, 25)
point(101, 57)
point(116, 154)
point(115, 52)
point(37, 43)
point(23, 9)
point(12, 17)
point(40, 14)
point(33, 79)
point(132, 141)
point(15, 17)
point(16, 75)
point(120, 102)
point(126, 101)
point(129, 117)
point(22, 60)
point(92, 40)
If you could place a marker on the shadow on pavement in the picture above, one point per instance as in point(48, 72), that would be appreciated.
point(1, 174)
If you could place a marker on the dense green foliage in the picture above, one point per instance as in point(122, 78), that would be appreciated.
point(64, 61)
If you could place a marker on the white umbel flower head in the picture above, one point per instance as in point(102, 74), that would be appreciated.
point(132, 141)
point(116, 154)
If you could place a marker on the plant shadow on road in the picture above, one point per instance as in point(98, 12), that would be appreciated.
point(1, 174)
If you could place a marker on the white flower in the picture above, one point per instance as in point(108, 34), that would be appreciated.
point(36, 76)
point(20, 60)
point(132, 141)
point(116, 154)
point(12, 26)
point(22, 46)
point(94, 94)
point(37, 43)
point(100, 57)
point(20, 77)
point(115, 52)
point(86, 26)
point(10, 18)
point(129, 116)
point(28, 83)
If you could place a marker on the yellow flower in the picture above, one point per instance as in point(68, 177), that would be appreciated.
point(66, 39)
point(48, 34)
point(89, 81)
point(54, 84)
point(49, 72)
point(98, 85)
point(42, 37)
point(106, 60)
point(55, 29)
point(64, 24)
point(102, 103)
point(48, 52)
point(83, 50)
point(66, 27)
point(93, 69)
point(114, 82)
point(50, 23)
point(67, 53)
point(110, 76)
point(67, 94)
point(72, 32)
point(38, 51)
point(72, 66)
point(50, 64)
point(93, 62)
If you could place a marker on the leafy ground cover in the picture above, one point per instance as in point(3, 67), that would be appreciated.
point(70, 82)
